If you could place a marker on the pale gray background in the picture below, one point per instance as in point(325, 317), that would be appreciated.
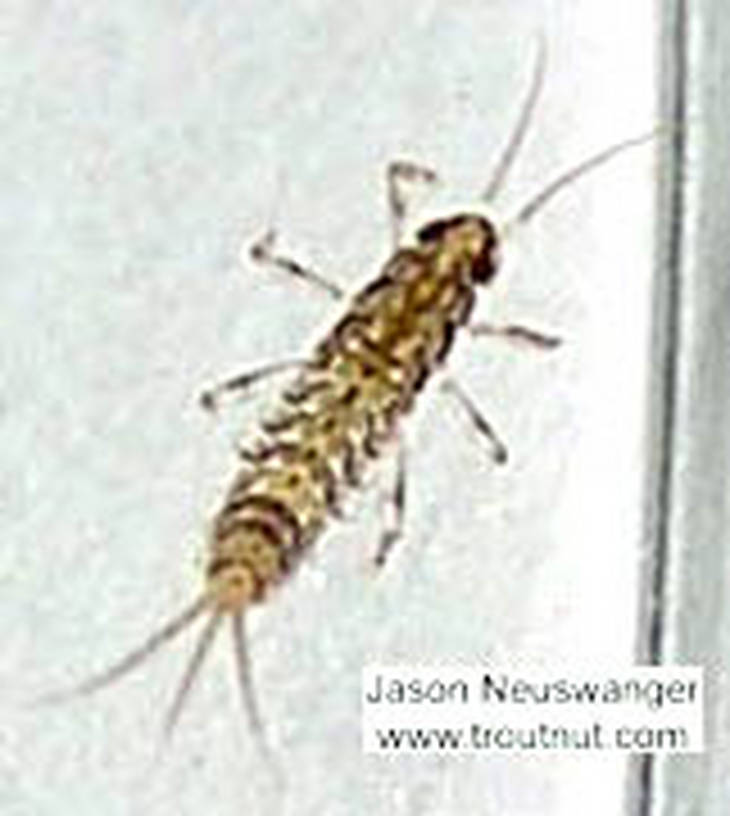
point(144, 144)
point(691, 613)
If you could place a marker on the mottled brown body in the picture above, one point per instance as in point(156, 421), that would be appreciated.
point(346, 402)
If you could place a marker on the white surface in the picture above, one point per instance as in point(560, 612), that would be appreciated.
point(142, 144)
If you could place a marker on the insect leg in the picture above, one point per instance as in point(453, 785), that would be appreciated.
point(398, 174)
point(520, 335)
point(263, 252)
point(397, 505)
point(210, 397)
point(499, 449)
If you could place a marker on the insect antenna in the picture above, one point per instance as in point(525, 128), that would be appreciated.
point(135, 658)
point(519, 132)
point(538, 201)
point(191, 673)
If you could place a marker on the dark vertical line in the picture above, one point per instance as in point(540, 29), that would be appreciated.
point(674, 32)
point(672, 268)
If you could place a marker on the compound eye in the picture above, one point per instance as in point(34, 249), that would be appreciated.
point(434, 230)
point(484, 266)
